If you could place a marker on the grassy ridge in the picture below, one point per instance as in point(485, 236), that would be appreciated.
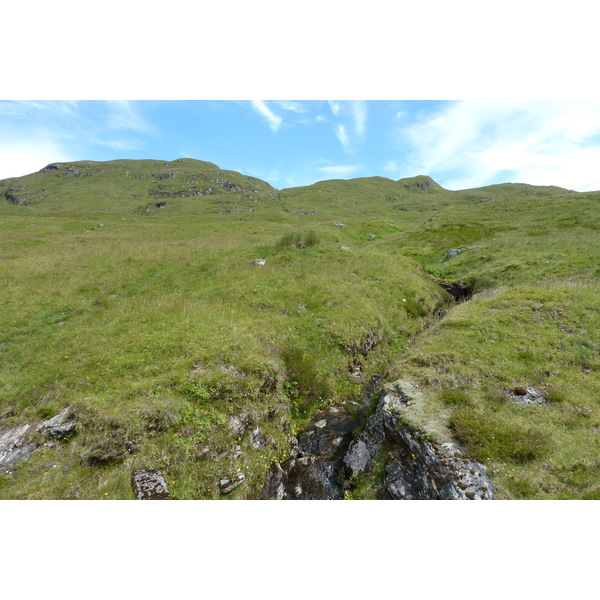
point(162, 338)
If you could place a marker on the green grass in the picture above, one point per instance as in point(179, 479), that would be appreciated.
point(158, 333)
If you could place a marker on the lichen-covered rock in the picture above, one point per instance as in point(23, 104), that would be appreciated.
point(149, 485)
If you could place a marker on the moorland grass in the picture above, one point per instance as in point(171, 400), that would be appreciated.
point(158, 333)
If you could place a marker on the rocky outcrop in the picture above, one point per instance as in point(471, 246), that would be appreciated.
point(60, 426)
point(18, 443)
point(14, 446)
point(460, 290)
point(311, 472)
point(417, 468)
point(328, 455)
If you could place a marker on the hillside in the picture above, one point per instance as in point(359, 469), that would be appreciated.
point(238, 341)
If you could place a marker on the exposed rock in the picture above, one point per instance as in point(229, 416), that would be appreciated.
point(460, 290)
point(345, 249)
point(340, 225)
point(311, 472)
point(452, 253)
point(14, 446)
point(257, 261)
point(416, 468)
point(60, 426)
point(527, 395)
point(229, 484)
point(260, 440)
point(237, 425)
point(150, 485)
point(371, 236)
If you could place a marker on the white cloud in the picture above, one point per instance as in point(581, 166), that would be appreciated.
point(321, 118)
point(272, 119)
point(291, 106)
point(390, 166)
point(339, 170)
point(335, 107)
point(359, 112)
point(478, 143)
point(342, 135)
point(22, 158)
point(125, 116)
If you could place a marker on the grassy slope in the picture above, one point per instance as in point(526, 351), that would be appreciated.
point(157, 332)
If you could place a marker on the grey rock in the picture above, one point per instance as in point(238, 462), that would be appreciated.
point(340, 225)
point(150, 485)
point(227, 485)
point(418, 468)
point(371, 236)
point(260, 262)
point(59, 426)
point(14, 446)
point(527, 395)
point(237, 425)
point(452, 253)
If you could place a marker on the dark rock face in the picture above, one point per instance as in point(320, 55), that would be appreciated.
point(311, 472)
point(416, 468)
point(460, 290)
point(150, 485)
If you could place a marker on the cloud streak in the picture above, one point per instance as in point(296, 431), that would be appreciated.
point(272, 119)
point(473, 144)
point(339, 170)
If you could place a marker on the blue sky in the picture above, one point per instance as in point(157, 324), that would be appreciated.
point(461, 144)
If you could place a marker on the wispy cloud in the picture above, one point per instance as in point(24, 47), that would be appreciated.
point(352, 122)
point(124, 115)
point(359, 112)
point(342, 135)
point(272, 119)
point(339, 170)
point(477, 143)
point(335, 107)
point(291, 106)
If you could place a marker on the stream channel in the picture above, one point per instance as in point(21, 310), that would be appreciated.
point(340, 444)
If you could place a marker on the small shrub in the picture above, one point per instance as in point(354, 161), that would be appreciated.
point(298, 240)
point(553, 394)
point(455, 397)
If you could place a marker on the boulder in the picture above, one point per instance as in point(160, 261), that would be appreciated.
point(149, 485)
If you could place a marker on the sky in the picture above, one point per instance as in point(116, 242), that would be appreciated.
point(461, 144)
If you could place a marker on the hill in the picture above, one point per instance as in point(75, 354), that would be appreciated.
point(200, 325)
